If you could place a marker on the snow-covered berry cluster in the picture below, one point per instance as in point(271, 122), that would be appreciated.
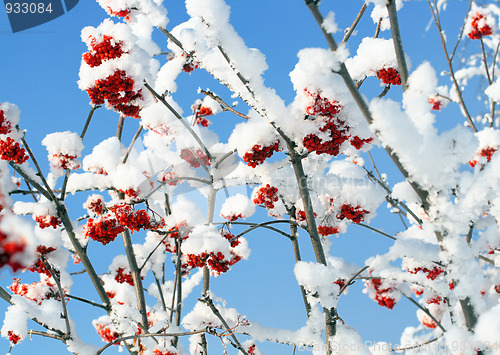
point(10, 249)
point(432, 273)
point(333, 131)
point(36, 291)
point(389, 76)
point(48, 221)
point(354, 214)
point(265, 195)
point(10, 150)
point(134, 220)
point(478, 27)
point(484, 153)
point(188, 155)
point(382, 291)
point(106, 49)
point(95, 205)
point(106, 329)
point(104, 229)
point(258, 154)
point(201, 113)
point(64, 148)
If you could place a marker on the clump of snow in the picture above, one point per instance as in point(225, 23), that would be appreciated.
point(329, 23)
point(318, 280)
point(105, 157)
point(237, 205)
point(64, 148)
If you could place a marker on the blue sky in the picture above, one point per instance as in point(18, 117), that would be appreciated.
point(39, 69)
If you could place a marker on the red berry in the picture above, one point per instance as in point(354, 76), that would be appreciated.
point(389, 76)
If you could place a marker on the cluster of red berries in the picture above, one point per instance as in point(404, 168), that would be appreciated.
point(432, 274)
point(104, 229)
point(193, 161)
point(190, 65)
point(231, 238)
point(355, 214)
point(389, 76)
point(107, 334)
point(39, 266)
point(118, 90)
point(168, 175)
point(10, 150)
point(103, 51)
point(5, 124)
point(135, 220)
point(13, 337)
point(485, 152)
point(8, 251)
point(322, 106)
point(326, 112)
point(161, 352)
point(266, 195)
point(95, 205)
point(48, 221)
point(436, 300)
point(132, 193)
point(34, 289)
point(215, 261)
point(232, 217)
point(251, 349)
point(200, 113)
point(340, 282)
point(300, 216)
point(65, 161)
point(120, 13)
point(258, 154)
point(122, 277)
point(436, 103)
point(478, 32)
point(381, 294)
point(327, 230)
point(170, 242)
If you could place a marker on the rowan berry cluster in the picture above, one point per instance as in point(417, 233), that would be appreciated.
point(13, 337)
point(258, 154)
point(106, 334)
point(168, 175)
point(104, 229)
point(118, 90)
point(122, 277)
point(251, 349)
point(132, 193)
point(486, 153)
point(231, 238)
point(232, 217)
point(102, 51)
point(300, 216)
point(327, 230)
point(479, 27)
point(65, 161)
point(355, 214)
point(200, 113)
point(161, 352)
point(9, 250)
point(193, 161)
point(39, 266)
point(36, 291)
point(326, 116)
point(94, 205)
point(436, 103)
point(190, 65)
point(436, 300)
point(10, 150)
point(389, 76)
point(48, 221)
point(5, 124)
point(120, 13)
point(266, 195)
point(381, 292)
point(432, 274)
point(134, 220)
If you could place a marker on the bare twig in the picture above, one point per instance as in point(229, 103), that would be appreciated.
point(348, 283)
point(437, 21)
point(180, 118)
point(85, 301)
point(225, 106)
point(208, 301)
point(351, 29)
point(119, 128)
point(131, 145)
point(158, 334)
point(398, 44)
point(375, 230)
